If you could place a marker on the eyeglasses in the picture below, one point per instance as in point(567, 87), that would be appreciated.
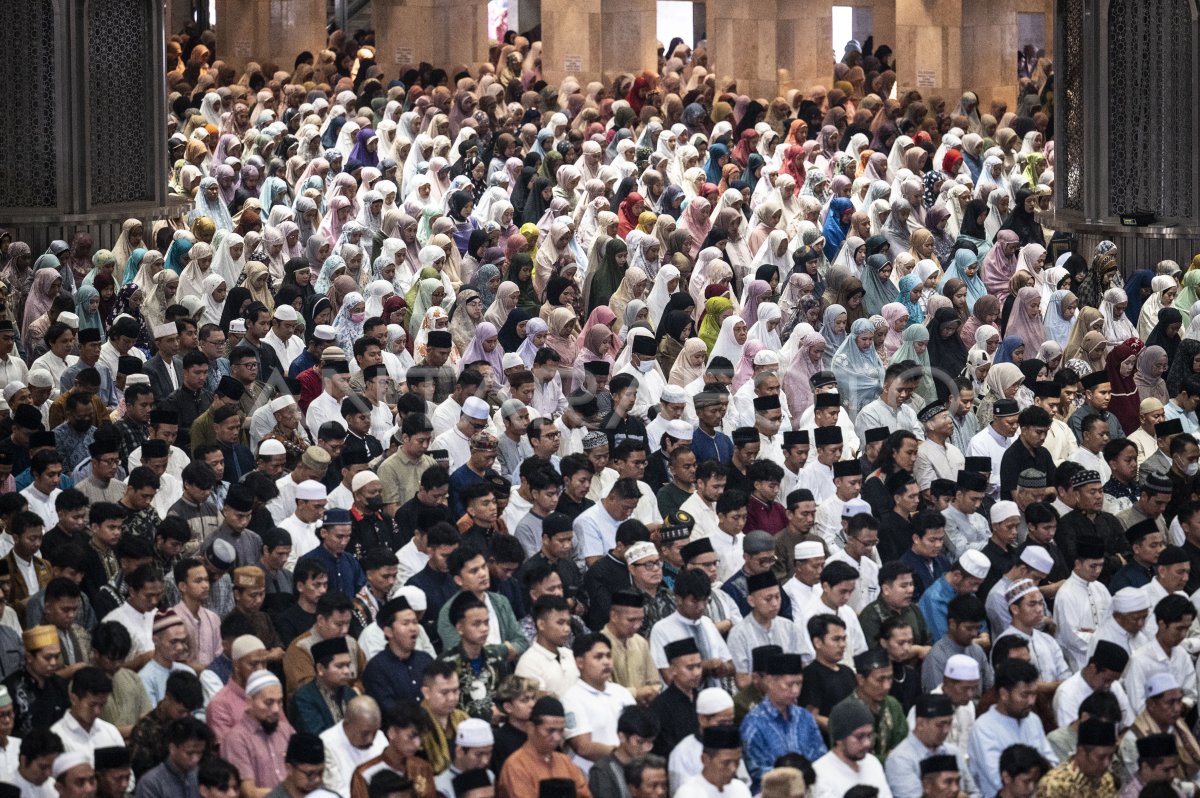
point(653, 565)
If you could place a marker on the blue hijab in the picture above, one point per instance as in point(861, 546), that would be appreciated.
point(177, 255)
point(712, 170)
point(1007, 346)
point(861, 372)
point(907, 284)
point(1133, 290)
point(835, 231)
point(963, 260)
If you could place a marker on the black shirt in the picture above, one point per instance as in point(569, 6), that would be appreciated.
point(406, 519)
point(605, 577)
point(618, 429)
point(293, 622)
point(571, 507)
point(895, 535)
point(567, 570)
point(676, 713)
point(906, 685)
point(508, 739)
point(1016, 459)
point(372, 530)
point(823, 687)
point(657, 474)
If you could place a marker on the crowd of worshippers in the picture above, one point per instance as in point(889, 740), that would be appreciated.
point(468, 436)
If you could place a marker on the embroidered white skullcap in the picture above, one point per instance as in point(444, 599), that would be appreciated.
point(285, 313)
point(679, 429)
point(12, 389)
point(474, 733)
point(280, 402)
point(765, 357)
point(71, 320)
point(975, 563)
point(415, 597)
point(246, 644)
point(1160, 683)
point(712, 700)
point(511, 360)
point(673, 395)
point(640, 551)
point(40, 378)
point(476, 408)
point(961, 668)
point(238, 326)
point(165, 329)
point(324, 332)
point(808, 550)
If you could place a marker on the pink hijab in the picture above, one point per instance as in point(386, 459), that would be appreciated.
point(998, 268)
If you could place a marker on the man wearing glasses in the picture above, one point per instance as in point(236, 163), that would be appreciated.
point(102, 484)
point(646, 573)
point(758, 556)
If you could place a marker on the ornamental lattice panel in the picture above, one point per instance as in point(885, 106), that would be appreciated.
point(121, 130)
point(1070, 105)
point(28, 159)
point(1151, 133)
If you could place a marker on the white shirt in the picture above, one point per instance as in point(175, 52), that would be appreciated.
point(548, 398)
point(1093, 462)
point(29, 790)
point(1070, 695)
point(704, 515)
point(323, 408)
point(1151, 659)
point(1111, 631)
point(177, 460)
point(76, 738)
point(554, 672)
point(699, 787)
point(676, 627)
point(9, 759)
point(262, 423)
point(828, 521)
point(866, 588)
point(594, 712)
point(170, 490)
point(410, 561)
point(284, 504)
point(29, 574)
point(935, 461)
point(286, 351)
point(728, 548)
point(457, 446)
point(684, 763)
point(1079, 609)
point(835, 777)
point(342, 758)
point(1044, 652)
point(989, 443)
point(800, 594)
point(856, 641)
point(43, 505)
point(649, 392)
point(56, 366)
point(13, 369)
point(446, 416)
point(339, 499)
point(818, 478)
point(304, 538)
point(140, 626)
point(109, 357)
point(850, 439)
point(596, 531)
point(647, 506)
point(748, 634)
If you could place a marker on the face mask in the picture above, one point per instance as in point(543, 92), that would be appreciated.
point(1192, 469)
point(358, 318)
point(375, 504)
point(645, 366)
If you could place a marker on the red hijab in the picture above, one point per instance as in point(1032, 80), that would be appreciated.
point(627, 217)
point(1125, 400)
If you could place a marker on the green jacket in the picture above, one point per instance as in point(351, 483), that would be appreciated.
point(510, 629)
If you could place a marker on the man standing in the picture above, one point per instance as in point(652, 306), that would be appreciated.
point(934, 714)
point(719, 764)
point(1010, 720)
point(777, 726)
point(258, 743)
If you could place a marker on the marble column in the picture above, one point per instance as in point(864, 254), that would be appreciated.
point(990, 42)
point(446, 33)
point(597, 39)
point(929, 46)
point(269, 30)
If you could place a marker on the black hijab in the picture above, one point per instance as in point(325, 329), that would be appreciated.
point(508, 333)
point(1158, 336)
point(673, 324)
point(971, 226)
point(1023, 223)
point(233, 304)
point(680, 300)
point(521, 193)
point(946, 353)
point(535, 205)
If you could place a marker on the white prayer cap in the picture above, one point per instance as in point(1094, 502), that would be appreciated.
point(285, 313)
point(243, 645)
point(1157, 684)
point(280, 402)
point(855, 507)
point(311, 491)
point(474, 733)
point(40, 378)
point(270, 448)
point(363, 478)
point(511, 407)
point(1038, 559)
point(640, 551)
point(808, 550)
point(71, 320)
point(961, 668)
point(712, 700)
point(1004, 510)
point(765, 357)
point(12, 389)
point(511, 360)
point(238, 326)
point(1130, 599)
point(975, 563)
point(415, 597)
point(673, 395)
point(137, 379)
point(680, 430)
point(260, 680)
point(476, 408)
point(71, 759)
point(324, 332)
point(165, 329)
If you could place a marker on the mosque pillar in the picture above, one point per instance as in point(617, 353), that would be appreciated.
point(274, 31)
point(930, 48)
point(630, 40)
point(743, 43)
point(88, 85)
point(572, 40)
point(446, 33)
